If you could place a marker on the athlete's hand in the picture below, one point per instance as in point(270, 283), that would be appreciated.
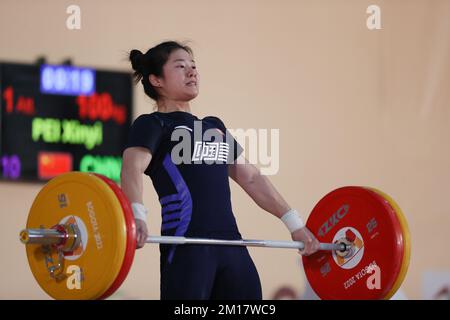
point(141, 233)
point(310, 241)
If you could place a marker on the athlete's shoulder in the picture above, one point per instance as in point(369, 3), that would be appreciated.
point(149, 118)
point(149, 122)
point(216, 120)
point(213, 118)
point(146, 131)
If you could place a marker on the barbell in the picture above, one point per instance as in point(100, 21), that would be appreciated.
point(81, 237)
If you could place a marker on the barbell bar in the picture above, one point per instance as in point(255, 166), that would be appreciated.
point(55, 237)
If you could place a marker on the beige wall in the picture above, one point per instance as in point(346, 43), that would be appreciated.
point(354, 107)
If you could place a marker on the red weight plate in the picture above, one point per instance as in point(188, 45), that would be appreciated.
point(131, 237)
point(363, 218)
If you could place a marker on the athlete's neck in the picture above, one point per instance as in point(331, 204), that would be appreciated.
point(171, 106)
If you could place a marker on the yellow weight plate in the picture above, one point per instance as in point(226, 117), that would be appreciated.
point(87, 201)
point(406, 239)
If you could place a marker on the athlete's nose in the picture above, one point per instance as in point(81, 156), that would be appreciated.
point(192, 72)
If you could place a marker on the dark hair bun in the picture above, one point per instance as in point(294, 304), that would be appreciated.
point(136, 60)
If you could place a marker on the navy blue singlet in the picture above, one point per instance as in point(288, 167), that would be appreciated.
point(193, 188)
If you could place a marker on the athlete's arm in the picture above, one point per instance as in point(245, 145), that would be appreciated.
point(135, 161)
point(258, 187)
point(261, 190)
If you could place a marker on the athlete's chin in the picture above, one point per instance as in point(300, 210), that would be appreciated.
point(192, 94)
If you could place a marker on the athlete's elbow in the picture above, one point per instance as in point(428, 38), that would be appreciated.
point(253, 176)
point(129, 172)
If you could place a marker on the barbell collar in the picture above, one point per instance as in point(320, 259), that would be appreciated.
point(41, 236)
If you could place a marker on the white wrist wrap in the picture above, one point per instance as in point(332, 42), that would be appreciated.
point(292, 220)
point(139, 211)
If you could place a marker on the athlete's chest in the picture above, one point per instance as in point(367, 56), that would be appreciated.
point(196, 142)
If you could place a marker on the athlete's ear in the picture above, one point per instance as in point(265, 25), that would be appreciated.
point(155, 81)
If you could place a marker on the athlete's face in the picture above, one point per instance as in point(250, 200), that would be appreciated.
point(181, 79)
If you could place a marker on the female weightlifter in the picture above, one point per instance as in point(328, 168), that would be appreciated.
point(191, 180)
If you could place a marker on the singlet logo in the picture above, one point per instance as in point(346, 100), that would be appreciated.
point(211, 146)
point(210, 151)
point(183, 127)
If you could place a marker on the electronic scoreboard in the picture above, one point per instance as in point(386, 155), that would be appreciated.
point(60, 118)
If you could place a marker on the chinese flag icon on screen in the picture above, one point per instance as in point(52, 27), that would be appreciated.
point(51, 164)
